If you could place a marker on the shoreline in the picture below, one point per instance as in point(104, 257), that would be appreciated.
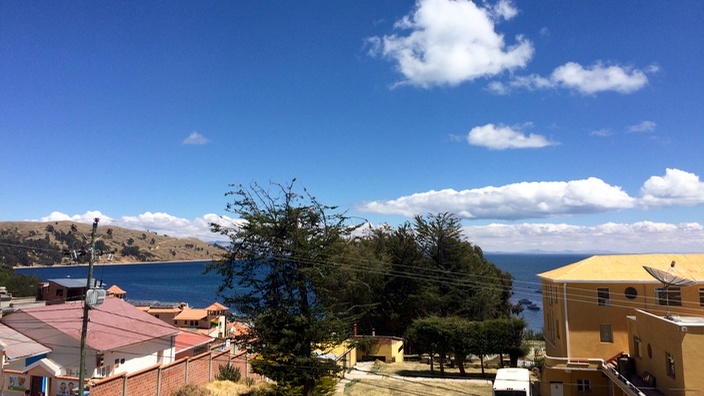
point(111, 263)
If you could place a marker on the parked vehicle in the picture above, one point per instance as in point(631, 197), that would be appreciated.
point(512, 382)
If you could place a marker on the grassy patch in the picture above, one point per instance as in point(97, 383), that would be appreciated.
point(384, 387)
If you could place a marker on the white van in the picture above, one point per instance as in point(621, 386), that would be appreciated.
point(512, 382)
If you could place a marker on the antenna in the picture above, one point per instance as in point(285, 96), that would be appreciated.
point(668, 278)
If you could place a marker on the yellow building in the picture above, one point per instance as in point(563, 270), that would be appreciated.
point(598, 313)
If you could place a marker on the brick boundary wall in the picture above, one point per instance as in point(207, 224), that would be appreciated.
point(162, 380)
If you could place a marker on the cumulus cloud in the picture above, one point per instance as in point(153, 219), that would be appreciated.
point(451, 42)
point(645, 126)
point(512, 201)
point(586, 80)
point(677, 187)
point(195, 138)
point(503, 137)
point(638, 237)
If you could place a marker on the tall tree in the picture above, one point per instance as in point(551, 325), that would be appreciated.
point(464, 282)
point(274, 275)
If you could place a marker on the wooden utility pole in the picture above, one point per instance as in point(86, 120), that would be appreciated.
point(84, 329)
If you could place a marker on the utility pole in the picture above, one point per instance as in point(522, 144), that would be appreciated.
point(86, 307)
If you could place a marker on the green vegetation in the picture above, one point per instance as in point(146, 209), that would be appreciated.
point(279, 260)
point(296, 274)
point(19, 285)
point(229, 372)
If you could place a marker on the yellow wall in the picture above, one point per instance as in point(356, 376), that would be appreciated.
point(659, 337)
point(390, 348)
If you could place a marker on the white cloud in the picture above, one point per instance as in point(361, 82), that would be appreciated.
point(639, 237)
point(451, 42)
point(599, 78)
point(677, 187)
point(601, 132)
point(161, 223)
point(645, 126)
point(587, 80)
point(503, 137)
point(196, 139)
point(512, 201)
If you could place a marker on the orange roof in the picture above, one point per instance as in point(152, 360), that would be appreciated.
point(627, 268)
point(187, 340)
point(191, 314)
point(216, 306)
point(114, 289)
point(237, 328)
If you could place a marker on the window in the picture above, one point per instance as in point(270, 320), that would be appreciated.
point(605, 333)
point(670, 362)
point(602, 297)
point(104, 371)
point(636, 347)
point(59, 292)
point(701, 297)
point(631, 293)
point(584, 385)
point(671, 296)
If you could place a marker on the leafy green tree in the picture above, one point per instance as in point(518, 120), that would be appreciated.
point(431, 335)
point(506, 337)
point(275, 274)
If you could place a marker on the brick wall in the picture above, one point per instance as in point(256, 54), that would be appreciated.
point(162, 380)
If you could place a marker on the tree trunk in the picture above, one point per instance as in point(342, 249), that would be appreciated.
point(460, 363)
point(481, 363)
point(308, 386)
point(442, 363)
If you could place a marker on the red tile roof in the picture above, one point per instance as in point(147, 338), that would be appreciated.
point(216, 306)
point(113, 324)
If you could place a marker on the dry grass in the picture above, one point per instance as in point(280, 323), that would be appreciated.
point(383, 387)
point(229, 388)
point(417, 380)
point(160, 247)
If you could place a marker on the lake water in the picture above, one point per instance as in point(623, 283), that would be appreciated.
point(185, 282)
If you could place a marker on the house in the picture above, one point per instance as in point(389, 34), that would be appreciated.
point(611, 328)
point(115, 291)
point(120, 339)
point(165, 311)
point(191, 344)
point(59, 291)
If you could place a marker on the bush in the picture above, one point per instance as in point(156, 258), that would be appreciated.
point(229, 372)
point(191, 390)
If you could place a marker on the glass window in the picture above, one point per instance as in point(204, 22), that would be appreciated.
point(602, 297)
point(671, 296)
point(701, 297)
point(670, 361)
point(584, 385)
point(631, 293)
point(605, 333)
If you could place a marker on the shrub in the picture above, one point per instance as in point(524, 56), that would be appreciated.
point(229, 372)
point(191, 390)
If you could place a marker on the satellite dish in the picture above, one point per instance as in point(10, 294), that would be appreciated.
point(668, 278)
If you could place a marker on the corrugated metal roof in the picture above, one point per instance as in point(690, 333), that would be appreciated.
point(19, 346)
point(627, 267)
point(113, 324)
point(74, 283)
point(187, 340)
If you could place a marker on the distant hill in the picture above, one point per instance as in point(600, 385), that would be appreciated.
point(25, 243)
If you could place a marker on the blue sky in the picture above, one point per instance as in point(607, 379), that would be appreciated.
point(545, 125)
